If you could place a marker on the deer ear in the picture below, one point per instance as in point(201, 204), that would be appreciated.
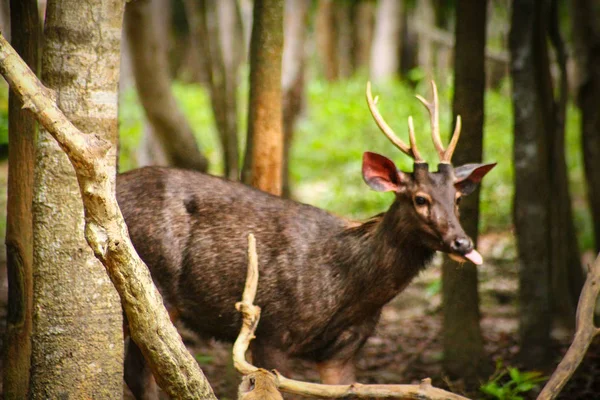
point(380, 173)
point(468, 176)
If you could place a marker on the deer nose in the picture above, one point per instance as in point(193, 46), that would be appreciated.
point(461, 245)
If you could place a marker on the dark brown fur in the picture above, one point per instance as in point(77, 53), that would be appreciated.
point(323, 280)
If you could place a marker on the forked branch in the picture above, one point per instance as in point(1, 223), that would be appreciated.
point(251, 314)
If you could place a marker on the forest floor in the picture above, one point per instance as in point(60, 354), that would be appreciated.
point(407, 344)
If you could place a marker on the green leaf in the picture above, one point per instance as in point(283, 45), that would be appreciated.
point(204, 359)
point(524, 387)
point(515, 375)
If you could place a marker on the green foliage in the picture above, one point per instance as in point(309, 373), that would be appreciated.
point(509, 383)
point(433, 288)
point(337, 128)
point(4, 114)
point(204, 359)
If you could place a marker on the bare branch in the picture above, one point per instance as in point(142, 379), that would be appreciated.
point(174, 368)
point(584, 334)
point(251, 314)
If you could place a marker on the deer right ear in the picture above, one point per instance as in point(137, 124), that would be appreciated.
point(380, 173)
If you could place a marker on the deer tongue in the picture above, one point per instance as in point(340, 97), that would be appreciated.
point(474, 257)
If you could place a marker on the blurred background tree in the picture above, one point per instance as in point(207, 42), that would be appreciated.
point(523, 74)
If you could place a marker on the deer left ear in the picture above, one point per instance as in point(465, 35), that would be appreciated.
point(380, 173)
point(468, 176)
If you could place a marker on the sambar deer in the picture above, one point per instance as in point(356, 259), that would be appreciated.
point(323, 279)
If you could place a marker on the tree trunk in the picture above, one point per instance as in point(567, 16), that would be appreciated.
point(425, 13)
point(363, 19)
point(153, 83)
point(585, 16)
point(385, 53)
point(344, 38)
point(264, 150)
point(175, 369)
point(292, 81)
point(77, 343)
point(567, 272)
point(532, 181)
point(218, 37)
point(5, 19)
point(19, 221)
point(462, 338)
point(326, 35)
point(550, 274)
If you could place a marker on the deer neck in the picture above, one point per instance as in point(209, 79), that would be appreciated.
point(381, 256)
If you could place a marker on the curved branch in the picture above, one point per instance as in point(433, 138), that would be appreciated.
point(251, 314)
point(174, 368)
point(585, 333)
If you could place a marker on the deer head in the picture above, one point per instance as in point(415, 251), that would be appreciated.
point(427, 200)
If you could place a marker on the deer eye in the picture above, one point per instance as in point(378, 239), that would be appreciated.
point(420, 200)
point(458, 199)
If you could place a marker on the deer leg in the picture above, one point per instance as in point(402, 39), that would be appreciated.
point(337, 372)
point(268, 357)
point(138, 376)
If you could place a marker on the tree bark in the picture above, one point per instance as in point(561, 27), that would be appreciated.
point(531, 216)
point(567, 272)
point(585, 16)
point(385, 53)
point(363, 19)
point(77, 345)
point(22, 130)
point(293, 80)
point(264, 148)
point(153, 83)
point(425, 13)
point(218, 37)
point(344, 38)
point(551, 275)
point(175, 369)
point(533, 105)
point(326, 35)
point(463, 342)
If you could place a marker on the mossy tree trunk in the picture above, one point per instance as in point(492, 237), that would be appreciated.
point(77, 342)
point(462, 338)
point(264, 150)
point(25, 33)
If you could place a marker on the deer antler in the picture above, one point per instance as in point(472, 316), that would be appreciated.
point(444, 154)
point(411, 150)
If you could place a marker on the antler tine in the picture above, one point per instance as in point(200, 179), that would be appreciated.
point(448, 154)
point(435, 120)
point(413, 141)
point(387, 131)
